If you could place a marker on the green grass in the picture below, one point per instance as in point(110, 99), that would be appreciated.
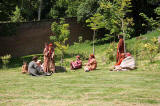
point(77, 88)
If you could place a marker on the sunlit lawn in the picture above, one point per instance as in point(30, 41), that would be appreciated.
point(99, 87)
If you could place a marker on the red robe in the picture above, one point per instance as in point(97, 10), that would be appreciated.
point(49, 64)
point(120, 49)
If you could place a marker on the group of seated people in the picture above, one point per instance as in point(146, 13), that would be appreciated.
point(126, 62)
point(35, 68)
point(89, 66)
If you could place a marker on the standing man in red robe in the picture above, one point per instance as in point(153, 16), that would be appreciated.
point(120, 48)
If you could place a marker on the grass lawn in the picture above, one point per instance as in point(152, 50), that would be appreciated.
point(101, 87)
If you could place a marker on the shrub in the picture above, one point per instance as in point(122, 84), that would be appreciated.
point(111, 52)
point(151, 49)
point(5, 60)
point(61, 35)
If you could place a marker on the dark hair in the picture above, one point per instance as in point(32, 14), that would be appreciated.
point(120, 36)
point(92, 55)
point(35, 58)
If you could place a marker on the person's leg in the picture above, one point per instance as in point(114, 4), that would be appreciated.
point(71, 66)
point(52, 66)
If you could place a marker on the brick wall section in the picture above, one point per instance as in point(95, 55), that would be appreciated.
point(31, 36)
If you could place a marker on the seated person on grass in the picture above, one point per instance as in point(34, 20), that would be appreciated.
point(126, 62)
point(76, 64)
point(39, 63)
point(91, 65)
point(34, 69)
point(24, 68)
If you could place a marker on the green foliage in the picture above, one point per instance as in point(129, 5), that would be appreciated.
point(53, 13)
point(61, 35)
point(153, 24)
point(5, 60)
point(80, 39)
point(116, 19)
point(111, 52)
point(151, 49)
point(95, 22)
point(86, 9)
point(136, 47)
point(144, 48)
point(17, 17)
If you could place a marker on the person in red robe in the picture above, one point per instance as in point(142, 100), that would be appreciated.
point(51, 55)
point(122, 57)
point(46, 59)
point(76, 64)
point(92, 64)
point(49, 64)
point(120, 48)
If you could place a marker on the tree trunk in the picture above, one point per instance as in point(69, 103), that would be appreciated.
point(123, 35)
point(61, 60)
point(93, 40)
point(39, 10)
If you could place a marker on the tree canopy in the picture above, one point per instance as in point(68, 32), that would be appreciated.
point(112, 10)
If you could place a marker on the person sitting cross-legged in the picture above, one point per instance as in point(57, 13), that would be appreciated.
point(91, 65)
point(76, 64)
point(34, 69)
point(126, 62)
point(24, 68)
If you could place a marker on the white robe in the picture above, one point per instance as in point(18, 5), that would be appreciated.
point(128, 62)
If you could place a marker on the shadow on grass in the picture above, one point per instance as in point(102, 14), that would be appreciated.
point(18, 61)
point(60, 69)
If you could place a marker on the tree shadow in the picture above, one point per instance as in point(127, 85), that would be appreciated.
point(60, 69)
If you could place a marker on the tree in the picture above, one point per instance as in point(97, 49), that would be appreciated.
point(95, 22)
point(116, 19)
point(86, 9)
point(61, 35)
point(16, 17)
point(39, 10)
point(152, 23)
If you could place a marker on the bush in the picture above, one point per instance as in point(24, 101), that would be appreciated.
point(5, 60)
point(111, 52)
point(151, 49)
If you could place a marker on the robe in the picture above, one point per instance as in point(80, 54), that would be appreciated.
point(76, 64)
point(91, 65)
point(120, 49)
point(51, 60)
point(46, 60)
point(49, 64)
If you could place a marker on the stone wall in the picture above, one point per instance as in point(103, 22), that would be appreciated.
point(31, 36)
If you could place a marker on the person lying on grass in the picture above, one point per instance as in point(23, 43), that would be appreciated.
point(35, 70)
point(126, 62)
point(91, 65)
point(76, 64)
point(24, 68)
